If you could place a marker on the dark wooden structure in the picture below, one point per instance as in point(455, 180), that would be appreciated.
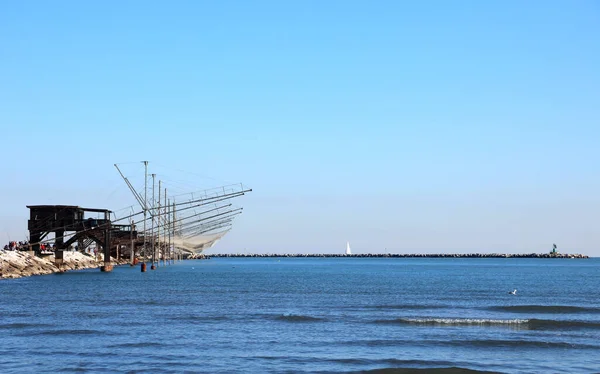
point(62, 219)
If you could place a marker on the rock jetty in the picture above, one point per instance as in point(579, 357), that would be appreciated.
point(17, 264)
point(194, 256)
point(417, 255)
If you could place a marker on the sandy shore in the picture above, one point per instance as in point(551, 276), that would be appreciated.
point(17, 264)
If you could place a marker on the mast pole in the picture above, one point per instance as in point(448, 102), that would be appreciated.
point(158, 223)
point(152, 267)
point(165, 217)
point(169, 229)
point(173, 225)
point(145, 211)
point(133, 191)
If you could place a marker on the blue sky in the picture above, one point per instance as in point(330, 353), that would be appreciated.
point(428, 126)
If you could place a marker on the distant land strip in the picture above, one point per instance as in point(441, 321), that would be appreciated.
point(417, 255)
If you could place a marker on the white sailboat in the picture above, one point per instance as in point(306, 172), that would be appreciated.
point(348, 252)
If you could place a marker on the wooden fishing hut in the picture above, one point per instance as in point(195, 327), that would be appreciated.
point(70, 221)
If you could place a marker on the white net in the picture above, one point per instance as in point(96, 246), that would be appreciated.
point(197, 244)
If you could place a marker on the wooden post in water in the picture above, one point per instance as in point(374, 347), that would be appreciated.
point(132, 245)
point(58, 249)
point(107, 226)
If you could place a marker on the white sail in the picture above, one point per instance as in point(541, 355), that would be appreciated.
point(348, 252)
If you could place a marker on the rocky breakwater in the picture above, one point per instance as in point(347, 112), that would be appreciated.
point(417, 255)
point(195, 256)
point(17, 264)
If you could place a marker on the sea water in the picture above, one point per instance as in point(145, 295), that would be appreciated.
point(318, 315)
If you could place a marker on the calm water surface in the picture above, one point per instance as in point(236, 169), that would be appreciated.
point(259, 315)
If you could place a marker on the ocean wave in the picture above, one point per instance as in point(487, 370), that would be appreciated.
point(298, 318)
point(531, 324)
point(407, 370)
point(137, 345)
point(548, 324)
point(551, 309)
point(484, 343)
point(55, 332)
point(16, 314)
point(198, 318)
point(92, 315)
point(153, 302)
point(76, 369)
point(375, 342)
point(395, 365)
point(518, 343)
point(406, 306)
point(384, 361)
point(18, 326)
point(454, 321)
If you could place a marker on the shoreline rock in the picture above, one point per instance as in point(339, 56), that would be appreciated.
point(18, 264)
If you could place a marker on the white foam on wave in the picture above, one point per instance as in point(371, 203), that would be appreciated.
point(465, 321)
